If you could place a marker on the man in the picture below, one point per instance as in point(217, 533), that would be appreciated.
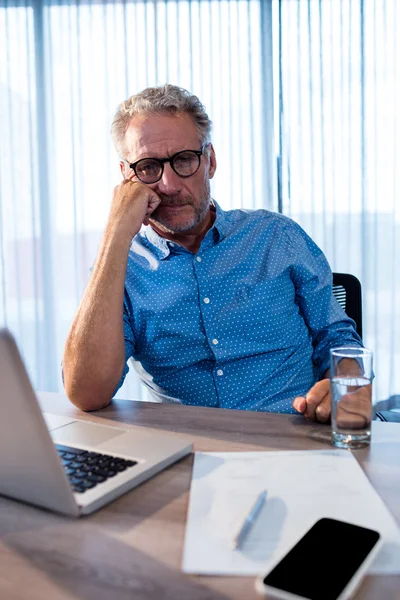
point(229, 309)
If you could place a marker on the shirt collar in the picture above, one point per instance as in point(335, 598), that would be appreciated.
point(221, 223)
point(163, 247)
point(160, 245)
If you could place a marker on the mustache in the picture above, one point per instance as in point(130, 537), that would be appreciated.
point(175, 200)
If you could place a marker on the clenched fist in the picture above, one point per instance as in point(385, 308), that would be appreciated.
point(133, 203)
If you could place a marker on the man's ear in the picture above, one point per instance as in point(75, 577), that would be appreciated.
point(212, 162)
point(122, 167)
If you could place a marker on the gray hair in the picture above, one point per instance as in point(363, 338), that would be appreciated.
point(158, 100)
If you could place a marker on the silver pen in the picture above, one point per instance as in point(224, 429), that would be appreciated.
point(249, 520)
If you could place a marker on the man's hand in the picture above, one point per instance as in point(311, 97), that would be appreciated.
point(316, 405)
point(133, 203)
point(353, 410)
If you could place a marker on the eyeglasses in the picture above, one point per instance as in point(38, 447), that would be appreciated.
point(185, 164)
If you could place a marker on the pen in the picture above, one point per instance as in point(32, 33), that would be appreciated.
point(249, 520)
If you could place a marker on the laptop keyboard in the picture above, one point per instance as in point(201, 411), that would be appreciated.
point(86, 469)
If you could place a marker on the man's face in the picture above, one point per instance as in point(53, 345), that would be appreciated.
point(184, 201)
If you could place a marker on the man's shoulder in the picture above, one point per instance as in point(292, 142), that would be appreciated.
point(257, 217)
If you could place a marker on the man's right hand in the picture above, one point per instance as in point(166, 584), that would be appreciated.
point(133, 203)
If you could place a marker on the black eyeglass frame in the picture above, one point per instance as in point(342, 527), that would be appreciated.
point(162, 161)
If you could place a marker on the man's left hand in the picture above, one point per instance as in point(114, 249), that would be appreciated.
point(316, 405)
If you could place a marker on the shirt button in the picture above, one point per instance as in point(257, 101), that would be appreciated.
point(215, 342)
point(220, 372)
point(198, 258)
point(206, 300)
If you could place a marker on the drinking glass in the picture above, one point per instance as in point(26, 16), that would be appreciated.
point(351, 396)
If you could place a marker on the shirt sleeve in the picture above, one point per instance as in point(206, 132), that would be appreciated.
point(327, 322)
point(129, 339)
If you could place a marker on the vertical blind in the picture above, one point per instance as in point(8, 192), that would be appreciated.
point(302, 94)
point(64, 68)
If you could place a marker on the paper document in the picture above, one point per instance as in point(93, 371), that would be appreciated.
point(302, 487)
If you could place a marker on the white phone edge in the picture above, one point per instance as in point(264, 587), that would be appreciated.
point(272, 592)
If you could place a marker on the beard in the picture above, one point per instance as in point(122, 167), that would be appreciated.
point(179, 224)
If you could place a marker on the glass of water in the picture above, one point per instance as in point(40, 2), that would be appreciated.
point(351, 396)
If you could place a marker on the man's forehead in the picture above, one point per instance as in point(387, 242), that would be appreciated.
point(159, 133)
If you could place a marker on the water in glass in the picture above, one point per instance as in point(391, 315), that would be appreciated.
point(351, 428)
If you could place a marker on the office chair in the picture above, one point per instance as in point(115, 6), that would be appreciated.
point(155, 392)
point(347, 291)
point(388, 410)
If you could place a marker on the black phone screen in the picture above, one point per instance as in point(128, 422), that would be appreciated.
point(321, 564)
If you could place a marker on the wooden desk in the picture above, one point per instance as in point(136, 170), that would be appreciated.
point(132, 548)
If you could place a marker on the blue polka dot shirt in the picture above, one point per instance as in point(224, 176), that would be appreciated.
point(246, 323)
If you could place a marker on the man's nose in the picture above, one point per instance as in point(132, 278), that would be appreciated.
point(170, 183)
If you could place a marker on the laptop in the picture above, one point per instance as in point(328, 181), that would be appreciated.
point(67, 465)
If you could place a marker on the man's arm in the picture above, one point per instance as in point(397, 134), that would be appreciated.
point(94, 354)
point(327, 323)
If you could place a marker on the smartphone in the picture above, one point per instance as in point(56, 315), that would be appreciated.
point(327, 563)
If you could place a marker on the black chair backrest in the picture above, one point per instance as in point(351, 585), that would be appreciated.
point(347, 291)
